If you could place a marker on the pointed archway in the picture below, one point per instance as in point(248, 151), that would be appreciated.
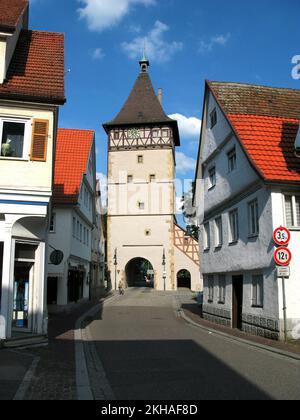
point(139, 273)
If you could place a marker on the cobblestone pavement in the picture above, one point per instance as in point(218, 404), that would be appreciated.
point(55, 375)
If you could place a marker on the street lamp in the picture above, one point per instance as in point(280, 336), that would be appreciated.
point(164, 269)
point(115, 264)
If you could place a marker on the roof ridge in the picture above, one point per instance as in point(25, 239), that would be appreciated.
point(212, 82)
point(37, 31)
point(77, 129)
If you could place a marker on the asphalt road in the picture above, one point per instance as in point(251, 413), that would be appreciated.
point(149, 353)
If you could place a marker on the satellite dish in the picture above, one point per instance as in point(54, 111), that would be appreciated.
point(56, 257)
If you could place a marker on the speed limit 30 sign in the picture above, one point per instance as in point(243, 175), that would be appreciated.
point(283, 256)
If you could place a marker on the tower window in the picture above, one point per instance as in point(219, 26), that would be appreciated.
point(116, 135)
point(148, 232)
point(140, 159)
point(141, 206)
point(152, 178)
point(130, 179)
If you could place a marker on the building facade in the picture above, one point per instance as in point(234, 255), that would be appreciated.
point(73, 220)
point(141, 195)
point(247, 186)
point(31, 91)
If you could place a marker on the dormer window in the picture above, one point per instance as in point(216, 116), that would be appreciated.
point(213, 118)
point(12, 134)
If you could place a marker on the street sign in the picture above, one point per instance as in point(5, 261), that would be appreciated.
point(283, 272)
point(282, 236)
point(283, 256)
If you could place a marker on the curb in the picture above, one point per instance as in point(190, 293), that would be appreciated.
point(229, 337)
point(23, 388)
point(84, 391)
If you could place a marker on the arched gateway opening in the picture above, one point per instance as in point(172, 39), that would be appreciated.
point(184, 279)
point(139, 273)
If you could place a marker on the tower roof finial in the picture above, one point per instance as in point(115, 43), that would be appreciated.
point(144, 62)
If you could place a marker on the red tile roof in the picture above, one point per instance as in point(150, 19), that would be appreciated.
point(73, 149)
point(10, 13)
point(36, 72)
point(266, 121)
point(269, 142)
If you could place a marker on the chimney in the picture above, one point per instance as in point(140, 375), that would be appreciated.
point(160, 96)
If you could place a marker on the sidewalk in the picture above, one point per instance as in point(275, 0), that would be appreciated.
point(55, 375)
point(193, 312)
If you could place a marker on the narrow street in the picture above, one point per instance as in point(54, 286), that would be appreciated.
point(150, 353)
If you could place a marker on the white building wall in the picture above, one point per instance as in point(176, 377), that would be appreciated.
point(292, 285)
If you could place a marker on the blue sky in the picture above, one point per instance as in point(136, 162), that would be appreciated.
point(187, 42)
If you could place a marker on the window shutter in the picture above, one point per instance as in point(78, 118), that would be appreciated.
point(39, 140)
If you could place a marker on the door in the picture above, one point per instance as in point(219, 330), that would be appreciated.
point(237, 301)
point(22, 296)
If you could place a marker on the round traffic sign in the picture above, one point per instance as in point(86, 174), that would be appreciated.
point(283, 256)
point(282, 236)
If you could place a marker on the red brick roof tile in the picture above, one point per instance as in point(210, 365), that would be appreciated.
point(269, 142)
point(11, 12)
point(266, 121)
point(36, 72)
point(73, 148)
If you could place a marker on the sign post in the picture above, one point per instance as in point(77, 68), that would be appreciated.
point(283, 258)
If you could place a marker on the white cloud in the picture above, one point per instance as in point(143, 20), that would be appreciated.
point(104, 14)
point(188, 126)
point(217, 40)
point(184, 163)
point(158, 49)
point(98, 54)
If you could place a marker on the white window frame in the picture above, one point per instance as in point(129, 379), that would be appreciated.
point(207, 238)
point(211, 288)
point(218, 232)
point(212, 177)
point(27, 136)
point(257, 291)
point(234, 217)
point(294, 211)
point(230, 155)
point(222, 289)
point(253, 215)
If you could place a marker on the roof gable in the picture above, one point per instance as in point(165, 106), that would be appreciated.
point(73, 148)
point(36, 71)
point(266, 122)
point(10, 13)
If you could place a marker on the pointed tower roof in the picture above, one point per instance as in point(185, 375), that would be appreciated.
point(143, 107)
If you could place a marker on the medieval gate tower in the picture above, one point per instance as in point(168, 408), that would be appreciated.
point(144, 241)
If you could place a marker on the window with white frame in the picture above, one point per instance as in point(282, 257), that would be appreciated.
point(211, 285)
point(232, 160)
point(88, 237)
point(222, 289)
point(14, 135)
point(212, 178)
point(80, 234)
point(218, 232)
point(258, 291)
point(52, 223)
point(78, 230)
point(234, 226)
point(84, 235)
point(74, 227)
point(206, 236)
point(213, 118)
point(292, 211)
point(253, 218)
